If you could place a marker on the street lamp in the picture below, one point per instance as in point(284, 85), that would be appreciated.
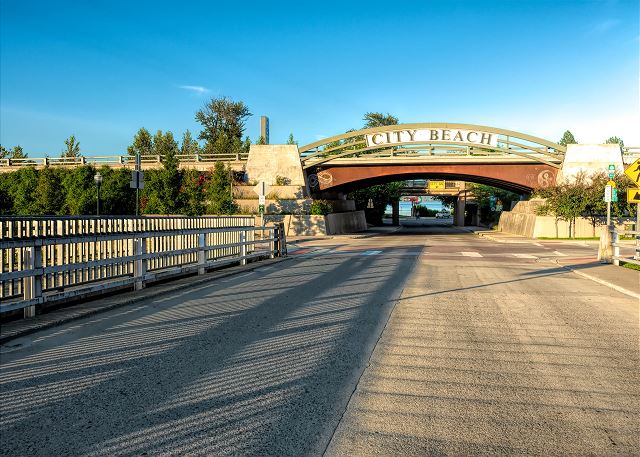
point(98, 179)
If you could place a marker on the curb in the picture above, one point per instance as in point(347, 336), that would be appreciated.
point(600, 281)
point(219, 274)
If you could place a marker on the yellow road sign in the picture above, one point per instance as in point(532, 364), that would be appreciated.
point(436, 185)
point(633, 171)
point(612, 184)
point(633, 195)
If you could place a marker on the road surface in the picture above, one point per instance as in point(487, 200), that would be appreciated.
point(429, 341)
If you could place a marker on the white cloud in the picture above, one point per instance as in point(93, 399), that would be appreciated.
point(200, 90)
point(606, 25)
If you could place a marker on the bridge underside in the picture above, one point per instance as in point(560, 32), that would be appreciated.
point(519, 178)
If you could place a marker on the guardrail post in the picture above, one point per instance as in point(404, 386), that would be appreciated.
point(32, 286)
point(274, 242)
point(140, 264)
point(283, 241)
point(616, 247)
point(243, 248)
point(202, 254)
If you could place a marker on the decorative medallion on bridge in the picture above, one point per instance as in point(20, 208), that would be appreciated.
point(545, 178)
point(324, 177)
point(313, 181)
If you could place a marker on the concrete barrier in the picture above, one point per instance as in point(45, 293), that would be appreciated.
point(350, 222)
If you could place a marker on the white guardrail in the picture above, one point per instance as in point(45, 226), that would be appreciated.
point(49, 260)
point(615, 245)
point(124, 161)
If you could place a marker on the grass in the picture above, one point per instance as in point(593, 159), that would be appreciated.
point(631, 266)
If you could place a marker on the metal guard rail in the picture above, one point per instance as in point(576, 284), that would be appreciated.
point(131, 270)
point(615, 238)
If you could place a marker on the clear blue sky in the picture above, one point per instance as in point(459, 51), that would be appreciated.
point(101, 70)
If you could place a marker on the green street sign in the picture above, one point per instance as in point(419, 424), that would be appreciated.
point(614, 195)
point(261, 208)
point(612, 175)
point(612, 167)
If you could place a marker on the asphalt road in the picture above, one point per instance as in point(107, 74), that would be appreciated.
point(480, 348)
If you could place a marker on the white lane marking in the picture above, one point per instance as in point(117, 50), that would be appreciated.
point(537, 244)
point(371, 252)
point(471, 254)
point(525, 256)
point(317, 252)
point(559, 254)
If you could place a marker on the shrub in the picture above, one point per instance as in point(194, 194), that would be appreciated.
point(320, 208)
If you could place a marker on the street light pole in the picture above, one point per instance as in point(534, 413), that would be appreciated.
point(98, 179)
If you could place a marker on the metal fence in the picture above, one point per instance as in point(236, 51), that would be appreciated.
point(49, 260)
point(615, 245)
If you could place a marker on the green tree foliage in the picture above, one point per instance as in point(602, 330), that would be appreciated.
point(189, 145)
point(165, 145)
point(15, 153)
point(320, 208)
point(72, 147)
point(219, 200)
point(567, 138)
point(291, 140)
point(4, 152)
point(162, 190)
point(566, 202)
point(261, 140)
point(48, 200)
point(222, 122)
point(381, 195)
point(615, 140)
point(79, 190)
point(483, 194)
point(142, 143)
point(116, 197)
point(375, 119)
point(193, 191)
point(20, 186)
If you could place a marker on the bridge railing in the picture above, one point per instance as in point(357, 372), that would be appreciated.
point(122, 160)
point(52, 260)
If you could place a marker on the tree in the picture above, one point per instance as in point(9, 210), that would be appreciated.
point(162, 194)
point(380, 195)
point(15, 153)
point(72, 147)
point(219, 196)
point(142, 143)
point(567, 138)
point(79, 190)
point(222, 121)
point(261, 140)
point(379, 120)
point(116, 197)
point(566, 202)
point(189, 145)
point(615, 140)
point(291, 140)
point(48, 200)
point(4, 153)
point(165, 145)
point(193, 191)
point(21, 191)
point(483, 194)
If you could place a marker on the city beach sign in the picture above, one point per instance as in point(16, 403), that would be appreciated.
point(432, 135)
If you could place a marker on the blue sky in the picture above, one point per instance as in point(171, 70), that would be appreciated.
point(101, 70)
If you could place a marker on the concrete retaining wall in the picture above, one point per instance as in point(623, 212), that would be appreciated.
point(299, 225)
point(350, 222)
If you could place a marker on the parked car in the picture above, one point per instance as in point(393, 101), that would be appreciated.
point(443, 215)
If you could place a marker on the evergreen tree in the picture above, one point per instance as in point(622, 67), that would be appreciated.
point(219, 196)
point(222, 121)
point(291, 140)
point(193, 191)
point(48, 198)
point(142, 143)
point(189, 145)
point(72, 147)
point(567, 138)
point(162, 193)
point(79, 191)
point(21, 190)
point(116, 197)
point(615, 140)
point(379, 120)
point(164, 145)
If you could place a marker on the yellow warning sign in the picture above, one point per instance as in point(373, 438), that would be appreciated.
point(436, 185)
point(633, 171)
point(612, 184)
point(633, 195)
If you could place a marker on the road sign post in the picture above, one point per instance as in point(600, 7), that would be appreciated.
point(633, 196)
point(608, 191)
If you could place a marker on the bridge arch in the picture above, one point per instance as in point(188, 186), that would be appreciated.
point(469, 152)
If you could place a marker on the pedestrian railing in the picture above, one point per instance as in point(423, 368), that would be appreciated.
point(52, 260)
point(118, 161)
point(616, 258)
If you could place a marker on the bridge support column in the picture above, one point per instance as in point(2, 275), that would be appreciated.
point(395, 213)
point(458, 212)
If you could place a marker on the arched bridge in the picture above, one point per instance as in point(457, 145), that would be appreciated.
point(466, 152)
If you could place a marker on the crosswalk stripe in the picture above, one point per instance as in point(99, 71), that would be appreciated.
point(371, 252)
point(471, 254)
point(559, 254)
point(525, 256)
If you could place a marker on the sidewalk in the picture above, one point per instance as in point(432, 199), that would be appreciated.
point(621, 279)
